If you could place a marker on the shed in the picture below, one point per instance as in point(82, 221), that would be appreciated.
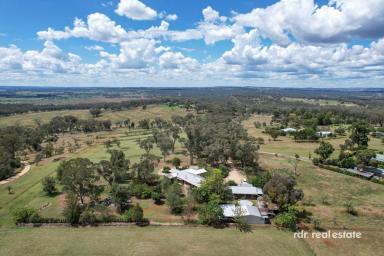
point(246, 189)
point(252, 214)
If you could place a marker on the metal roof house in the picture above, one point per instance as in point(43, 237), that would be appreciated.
point(187, 177)
point(252, 214)
point(366, 175)
point(324, 133)
point(380, 157)
point(246, 190)
point(288, 130)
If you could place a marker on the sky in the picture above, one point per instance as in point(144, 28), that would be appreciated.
point(285, 43)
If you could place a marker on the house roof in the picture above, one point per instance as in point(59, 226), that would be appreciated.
point(380, 157)
point(363, 174)
point(195, 171)
point(324, 132)
point(188, 177)
point(247, 209)
point(246, 189)
point(288, 129)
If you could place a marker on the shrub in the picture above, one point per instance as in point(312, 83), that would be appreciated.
point(72, 210)
point(348, 162)
point(316, 161)
point(350, 208)
point(87, 217)
point(286, 220)
point(316, 223)
point(25, 215)
point(231, 183)
point(296, 210)
point(142, 191)
point(49, 186)
point(260, 140)
point(134, 214)
point(176, 162)
point(211, 213)
point(224, 170)
point(260, 180)
point(156, 197)
point(166, 169)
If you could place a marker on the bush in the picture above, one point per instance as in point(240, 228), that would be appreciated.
point(231, 183)
point(25, 215)
point(166, 169)
point(316, 223)
point(260, 180)
point(316, 161)
point(72, 210)
point(87, 217)
point(49, 186)
point(142, 191)
point(348, 162)
point(350, 208)
point(286, 220)
point(156, 197)
point(296, 210)
point(260, 140)
point(176, 162)
point(224, 170)
point(173, 198)
point(211, 213)
point(134, 214)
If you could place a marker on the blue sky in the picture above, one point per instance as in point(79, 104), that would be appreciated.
point(302, 43)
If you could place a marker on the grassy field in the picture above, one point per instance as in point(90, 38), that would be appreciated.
point(325, 194)
point(287, 146)
point(321, 102)
point(27, 190)
point(148, 241)
point(135, 115)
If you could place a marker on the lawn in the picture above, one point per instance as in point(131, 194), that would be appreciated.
point(148, 241)
point(152, 111)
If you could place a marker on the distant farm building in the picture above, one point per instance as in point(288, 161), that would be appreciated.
point(288, 130)
point(324, 134)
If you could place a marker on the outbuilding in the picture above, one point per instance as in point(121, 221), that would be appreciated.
point(246, 190)
point(247, 210)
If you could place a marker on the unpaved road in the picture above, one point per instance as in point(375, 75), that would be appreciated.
point(27, 168)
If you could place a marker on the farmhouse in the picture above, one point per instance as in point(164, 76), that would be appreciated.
point(251, 213)
point(246, 190)
point(188, 176)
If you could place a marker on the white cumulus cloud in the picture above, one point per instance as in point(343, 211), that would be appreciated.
point(136, 10)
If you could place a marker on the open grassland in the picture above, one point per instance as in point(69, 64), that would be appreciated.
point(321, 102)
point(287, 146)
point(326, 192)
point(148, 241)
point(27, 190)
point(371, 243)
point(325, 195)
point(151, 112)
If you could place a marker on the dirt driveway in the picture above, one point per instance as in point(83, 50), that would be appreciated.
point(27, 168)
